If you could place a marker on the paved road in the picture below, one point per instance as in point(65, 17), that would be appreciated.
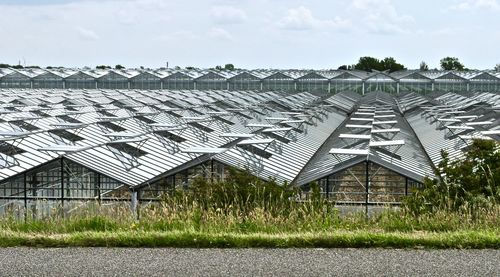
point(246, 262)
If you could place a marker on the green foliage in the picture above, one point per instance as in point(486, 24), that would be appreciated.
point(368, 63)
point(103, 67)
point(471, 185)
point(390, 64)
point(17, 66)
point(451, 63)
point(497, 67)
point(229, 67)
point(371, 63)
point(241, 192)
point(119, 66)
point(346, 67)
point(424, 66)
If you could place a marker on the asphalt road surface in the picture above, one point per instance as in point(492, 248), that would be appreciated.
point(246, 262)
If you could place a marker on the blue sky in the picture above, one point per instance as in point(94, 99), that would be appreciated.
point(248, 33)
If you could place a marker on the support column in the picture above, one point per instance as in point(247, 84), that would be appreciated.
point(327, 188)
point(161, 85)
point(227, 85)
point(212, 170)
point(34, 193)
point(128, 84)
point(194, 85)
point(98, 188)
point(295, 86)
point(432, 86)
point(367, 184)
point(95, 84)
point(397, 88)
point(363, 88)
point(329, 87)
point(134, 202)
point(25, 197)
point(64, 84)
point(406, 186)
point(468, 86)
point(175, 180)
point(62, 186)
point(261, 86)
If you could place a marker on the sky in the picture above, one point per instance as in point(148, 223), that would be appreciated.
point(284, 34)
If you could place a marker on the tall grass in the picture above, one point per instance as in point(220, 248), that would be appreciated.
point(189, 216)
point(244, 204)
point(259, 208)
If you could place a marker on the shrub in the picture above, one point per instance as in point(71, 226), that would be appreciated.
point(466, 185)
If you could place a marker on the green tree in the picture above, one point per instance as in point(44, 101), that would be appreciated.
point(390, 64)
point(497, 67)
point(343, 67)
point(451, 63)
point(371, 63)
point(229, 67)
point(368, 64)
point(102, 67)
point(119, 66)
point(218, 67)
point(424, 66)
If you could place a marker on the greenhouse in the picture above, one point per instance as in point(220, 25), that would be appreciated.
point(129, 137)
point(292, 80)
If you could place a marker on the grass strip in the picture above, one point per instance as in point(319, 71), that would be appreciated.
point(188, 239)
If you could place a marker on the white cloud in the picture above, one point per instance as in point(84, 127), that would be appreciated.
point(219, 34)
point(446, 31)
point(476, 4)
point(380, 16)
point(488, 4)
point(302, 18)
point(125, 17)
point(86, 34)
point(228, 15)
point(464, 6)
point(181, 35)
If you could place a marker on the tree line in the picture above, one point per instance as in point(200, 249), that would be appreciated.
point(390, 64)
point(364, 63)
